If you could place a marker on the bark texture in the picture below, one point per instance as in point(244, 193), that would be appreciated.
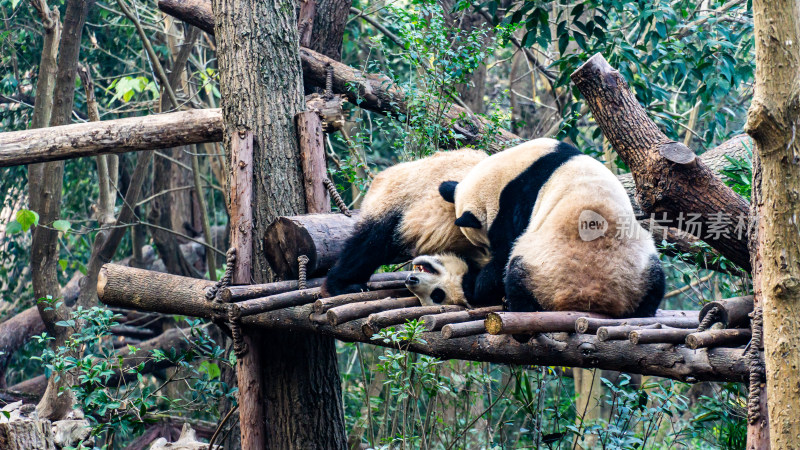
point(327, 30)
point(772, 122)
point(261, 86)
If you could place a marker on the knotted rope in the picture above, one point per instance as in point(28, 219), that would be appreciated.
point(757, 372)
point(709, 319)
point(302, 262)
point(336, 198)
point(233, 312)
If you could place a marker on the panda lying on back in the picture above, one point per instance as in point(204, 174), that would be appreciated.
point(403, 216)
point(555, 222)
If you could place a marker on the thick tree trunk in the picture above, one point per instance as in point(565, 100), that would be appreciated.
point(110, 136)
point(669, 177)
point(772, 122)
point(261, 85)
point(327, 30)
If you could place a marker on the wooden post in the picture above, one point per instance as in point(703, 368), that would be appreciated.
point(312, 157)
point(252, 420)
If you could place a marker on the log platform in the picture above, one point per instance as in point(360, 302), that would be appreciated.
point(667, 345)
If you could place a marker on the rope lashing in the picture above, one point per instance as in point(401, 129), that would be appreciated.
point(225, 281)
point(336, 197)
point(234, 321)
point(711, 317)
point(756, 365)
point(233, 312)
point(328, 81)
point(302, 262)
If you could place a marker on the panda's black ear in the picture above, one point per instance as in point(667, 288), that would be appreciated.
point(448, 191)
point(468, 220)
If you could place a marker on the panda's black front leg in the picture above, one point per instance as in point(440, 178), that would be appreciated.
point(519, 297)
point(656, 285)
point(488, 289)
point(373, 244)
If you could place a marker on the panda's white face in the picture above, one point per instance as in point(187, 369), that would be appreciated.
point(436, 280)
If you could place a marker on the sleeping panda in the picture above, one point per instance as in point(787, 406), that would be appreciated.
point(561, 231)
point(443, 279)
point(402, 216)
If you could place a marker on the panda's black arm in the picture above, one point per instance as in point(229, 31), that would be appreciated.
point(373, 244)
point(488, 289)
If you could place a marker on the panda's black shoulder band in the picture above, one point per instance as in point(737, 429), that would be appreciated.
point(448, 191)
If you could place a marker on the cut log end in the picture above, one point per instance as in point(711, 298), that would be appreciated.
point(582, 325)
point(102, 280)
point(597, 63)
point(677, 153)
point(493, 323)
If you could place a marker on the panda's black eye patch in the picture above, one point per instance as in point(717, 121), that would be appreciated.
point(438, 295)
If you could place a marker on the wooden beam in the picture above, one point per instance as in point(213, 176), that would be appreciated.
point(110, 136)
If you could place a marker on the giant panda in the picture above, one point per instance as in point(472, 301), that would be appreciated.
point(443, 279)
point(403, 215)
point(561, 232)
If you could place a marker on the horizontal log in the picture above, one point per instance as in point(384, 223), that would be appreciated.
point(146, 290)
point(322, 305)
point(574, 350)
point(277, 301)
point(732, 312)
point(590, 325)
point(352, 311)
point(246, 292)
point(534, 322)
point(320, 237)
point(659, 336)
point(621, 332)
point(377, 321)
point(435, 322)
point(731, 337)
point(132, 331)
point(110, 136)
point(463, 329)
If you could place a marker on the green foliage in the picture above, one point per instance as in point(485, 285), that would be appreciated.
point(123, 408)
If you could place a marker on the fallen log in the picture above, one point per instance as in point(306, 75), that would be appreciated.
point(659, 336)
point(246, 292)
point(534, 322)
point(669, 177)
point(730, 312)
point(435, 322)
point(575, 350)
point(731, 337)
point(377, 321)
point(322, 305)
point(621, 332)
point(590, 325)
point(352, 311)
point(110, 137)
point(463, 329)
point(320, 237)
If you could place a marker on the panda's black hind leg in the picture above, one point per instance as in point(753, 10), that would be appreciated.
point(655, 291)
point(518, 297)
point(373, 244)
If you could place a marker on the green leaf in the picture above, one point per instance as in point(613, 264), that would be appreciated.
point(563, 41)
point(13, 227)
point(63, 264)
point(27, 218)
point(62, 225)
point(212, 369)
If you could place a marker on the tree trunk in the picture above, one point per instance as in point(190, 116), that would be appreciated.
point(772, 122)
point(44, 245)
point(261, 85)
point(328, 26)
